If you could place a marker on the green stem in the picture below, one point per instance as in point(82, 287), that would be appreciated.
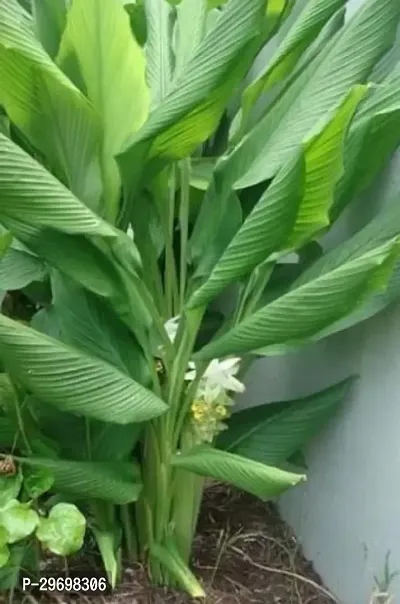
point(184, 226)
point(127, 523)
point(21, 426)
point(185, 510)
point(88, 439)
point(179, 367)
point(262, 276)
point(157, 286)
point(252, 291)
point(157, 319)
point(171, 286)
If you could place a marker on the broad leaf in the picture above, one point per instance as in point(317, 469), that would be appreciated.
point(63, 531)
point(370, 308)
point(81, 259)
point(373, 137)
point(5, 242)
point(50, 18)
point(272, 433)
point(191, 23)
point(19, 268)
point(169, 556)
point(323, 144)
point(306, 310)
point(37, 481)
point(256, 478)
point(18, 519)
point(307, 26)
point(31, 194)
point(159, 59)
point(324, 167)
point(192, 109)
point(381, 229)
point(117, 483)
point(4, 554)
point(45, 105)
point(217, 236)
point(108, 537)
point(87, 323)
point(8, 430)
point(10, 487)
point(265, 231)
point(73, 381)
point(346, 62)
point(388, 62)
point(98, 35)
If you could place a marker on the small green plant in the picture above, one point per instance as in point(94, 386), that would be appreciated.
point(26, 526)
point(382, 590)
point(142, 174)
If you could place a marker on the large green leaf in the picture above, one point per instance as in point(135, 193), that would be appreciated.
point(45, 105)
point(218, 236)
point(304, 30)
point(159, 59)
point(104, 269)
point(99, 36)
point(251, 476)
point(34, 204)
point(117, 483)
point(216, 200)
point(10, 487)
point(388, 62)
point(307, 309)
point(63, 531)
point(324, 167)
point(272, 433)
point(18, 519)
point(169, 556)
point(345, 62)
point(8, 430)
point(5, 242)
point(108, 441)
point(191, 23)
point(381, 229)
point(31, 194)
point(50, 18)
point(19, 268)
point(370, 308)
point(276, 223)
point(191, 111)
point(266, 230)
point(310, 59)
point(374, 135)
point(73, 381)
point(74, 255)
point(87, 323)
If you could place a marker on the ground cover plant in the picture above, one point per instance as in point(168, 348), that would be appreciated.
point(144, 172)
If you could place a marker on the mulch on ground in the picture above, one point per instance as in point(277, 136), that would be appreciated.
point(243, 554)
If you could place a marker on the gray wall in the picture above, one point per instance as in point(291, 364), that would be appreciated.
point(347, 515)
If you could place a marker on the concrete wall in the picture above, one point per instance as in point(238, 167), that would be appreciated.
point(347, 515)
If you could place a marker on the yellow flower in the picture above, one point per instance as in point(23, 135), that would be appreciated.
point(198, 415)
point(197, 406)
point(221, 411)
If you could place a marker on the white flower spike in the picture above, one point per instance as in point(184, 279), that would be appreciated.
point(219, 377)
point(171, 327)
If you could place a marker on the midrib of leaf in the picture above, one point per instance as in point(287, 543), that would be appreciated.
point(256, 428)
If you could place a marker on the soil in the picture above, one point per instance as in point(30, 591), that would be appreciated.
point(243, 554)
